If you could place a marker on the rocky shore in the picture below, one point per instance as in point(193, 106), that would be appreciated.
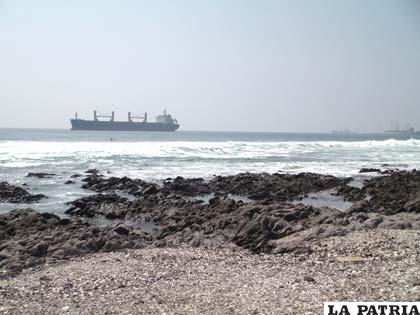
point(254, 211)
point(29, 238)
point(246, 215)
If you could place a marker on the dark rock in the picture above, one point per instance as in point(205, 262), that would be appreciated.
point(413, 205)
point(373, 222)
point(266, 224)
point(14, 194)
point(394, 193)
point(92, 171)
point(350, 193)
point(122, 229)
point(369, 170)
point(308, 279)
point(65, 251)
point(360, 206)
point(108, 205)
point(40, 175)
point(274, 187)
point(42, 237)
point(150, 190)
point(188, 187)
point(69, 182)
point(101, 184)
point(40, 249)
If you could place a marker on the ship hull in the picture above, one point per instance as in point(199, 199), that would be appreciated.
point(81, 124)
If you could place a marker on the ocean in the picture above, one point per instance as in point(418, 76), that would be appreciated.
point(157, 156)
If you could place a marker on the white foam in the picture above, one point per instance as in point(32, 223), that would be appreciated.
point(192, 158)
point(228, 149)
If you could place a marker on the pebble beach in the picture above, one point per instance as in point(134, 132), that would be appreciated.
point(383, 265)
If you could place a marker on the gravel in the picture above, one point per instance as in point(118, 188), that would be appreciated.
point(378, 265)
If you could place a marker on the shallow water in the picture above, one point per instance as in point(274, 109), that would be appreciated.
point(206, 198)
point(325, 198)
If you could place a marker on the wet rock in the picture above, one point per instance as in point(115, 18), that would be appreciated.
point(122, 229)
point(14, 194)
point(350, 193)
point(101, 184)
point(108, 205)
point(40, 249)
point(34, 238)
point(92, 171)
point(394, 193)
point(413, 205)
point(40, 175)
point(150, 190)
point(266, 224)
point(360, 206)
point(186, 186)
point(274, 187)
point(69, 182)
point(369, 170)
point(268, 187)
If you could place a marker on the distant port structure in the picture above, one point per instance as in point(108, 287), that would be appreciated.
point(164, 123)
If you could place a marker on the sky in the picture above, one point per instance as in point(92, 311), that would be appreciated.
point(223, 65)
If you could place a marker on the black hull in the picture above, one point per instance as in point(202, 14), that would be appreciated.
point(80, 124)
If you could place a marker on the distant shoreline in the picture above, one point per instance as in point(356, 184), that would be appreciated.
point(373, 133)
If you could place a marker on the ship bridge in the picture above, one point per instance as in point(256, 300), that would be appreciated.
point(166, 119)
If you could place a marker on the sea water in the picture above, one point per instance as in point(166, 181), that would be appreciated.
point(157, 156)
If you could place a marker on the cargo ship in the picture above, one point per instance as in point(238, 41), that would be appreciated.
point(163, 122)
point(408, 131)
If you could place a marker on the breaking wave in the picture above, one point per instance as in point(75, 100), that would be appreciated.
point(229, 149)
point(157, 159)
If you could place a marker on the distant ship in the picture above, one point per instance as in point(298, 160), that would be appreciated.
point(408, 131)
point(342, 132)
point(163, 122)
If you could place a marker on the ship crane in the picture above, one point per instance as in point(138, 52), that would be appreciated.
point(134, 116)
point(97, 115)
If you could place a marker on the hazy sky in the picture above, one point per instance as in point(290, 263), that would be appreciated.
point(256, 65)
